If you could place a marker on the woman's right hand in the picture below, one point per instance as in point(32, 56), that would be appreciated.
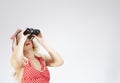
point(22, 37)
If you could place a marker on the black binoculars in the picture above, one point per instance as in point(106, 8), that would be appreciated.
point(32, 32)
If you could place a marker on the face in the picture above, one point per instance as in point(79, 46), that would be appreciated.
point(28, 43)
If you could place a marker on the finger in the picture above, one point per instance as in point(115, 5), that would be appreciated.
point(14, 44)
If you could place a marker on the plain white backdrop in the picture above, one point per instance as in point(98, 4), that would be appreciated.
point(85, 32)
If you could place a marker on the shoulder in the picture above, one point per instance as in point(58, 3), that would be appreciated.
point(39, 55)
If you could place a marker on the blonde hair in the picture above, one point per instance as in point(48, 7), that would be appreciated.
point(17, 73)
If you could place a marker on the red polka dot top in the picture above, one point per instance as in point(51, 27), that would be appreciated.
point(32, 75)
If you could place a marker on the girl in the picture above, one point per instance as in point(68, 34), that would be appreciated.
point(29, 65)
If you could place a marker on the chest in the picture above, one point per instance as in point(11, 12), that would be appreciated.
point(37, 64)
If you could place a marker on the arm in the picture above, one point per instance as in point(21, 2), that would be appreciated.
point(17, 55)
point(54, 58)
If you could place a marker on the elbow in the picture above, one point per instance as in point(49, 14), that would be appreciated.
point(59, 63)
point(56, 63)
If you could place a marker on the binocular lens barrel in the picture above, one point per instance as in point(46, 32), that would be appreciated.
point(32, 32)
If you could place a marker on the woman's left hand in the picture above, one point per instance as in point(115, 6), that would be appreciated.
point(39, 38)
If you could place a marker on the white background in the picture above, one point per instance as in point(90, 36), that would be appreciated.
point(85, 32)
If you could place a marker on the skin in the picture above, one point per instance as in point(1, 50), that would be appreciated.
point(23, 47)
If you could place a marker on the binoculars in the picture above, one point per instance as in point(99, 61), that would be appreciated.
point(32, 32)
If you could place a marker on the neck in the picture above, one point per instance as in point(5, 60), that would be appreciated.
point(29, 54)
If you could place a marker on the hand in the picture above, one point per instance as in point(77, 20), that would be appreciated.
point(39, 38)
point(18, 36)
point(40, 35)
point(22, 35)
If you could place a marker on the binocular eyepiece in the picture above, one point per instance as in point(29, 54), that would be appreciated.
point(32, 32)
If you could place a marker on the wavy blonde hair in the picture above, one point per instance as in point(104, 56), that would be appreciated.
point(17, 73)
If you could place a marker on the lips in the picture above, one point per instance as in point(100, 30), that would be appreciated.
point(27, 44)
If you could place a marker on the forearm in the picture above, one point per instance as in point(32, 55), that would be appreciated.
point(18, 52)
point(54, 57)
point(17, 55)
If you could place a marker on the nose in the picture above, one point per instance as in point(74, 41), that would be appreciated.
point(28, 40)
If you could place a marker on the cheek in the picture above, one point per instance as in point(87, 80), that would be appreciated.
point(31, 44)
point(28, 43)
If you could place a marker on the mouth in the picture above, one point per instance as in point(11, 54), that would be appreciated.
point(27, 44)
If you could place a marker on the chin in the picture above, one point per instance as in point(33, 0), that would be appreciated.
point(28, 48)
